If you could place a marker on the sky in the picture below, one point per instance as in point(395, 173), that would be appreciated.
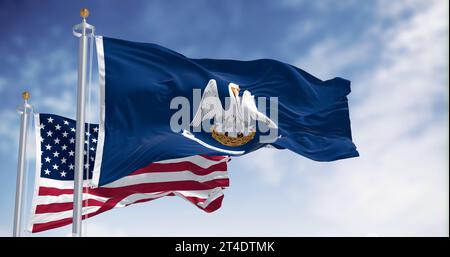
point(394, 52)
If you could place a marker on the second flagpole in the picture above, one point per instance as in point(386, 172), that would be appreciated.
point(25, 112)
point(84, 31)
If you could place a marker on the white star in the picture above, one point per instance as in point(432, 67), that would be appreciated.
point(41, 139)
point(47, 172)
point(65, 134)
point(94, 140)
point(57, 141)
point(72, 129)
point(92, 159)
point(49, 133)
point(96, 129)
point(55, 167)
point(92, 149)
point(86, 166)
point(71, 166)
point(47, 159)
point(64, 147)
point(42, 126)
point(63, 160)
point(66, 122)
point(48, 147)
point(56, 154)
point(86, 142)
point(63, 174)
point(72, 140)
point(57, 127)
point(50, 120)
point(71, 153)
point(88, 134)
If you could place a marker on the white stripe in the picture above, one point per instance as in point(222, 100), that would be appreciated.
point(196, 159)
point(198, 193)
point(60, 184)
point(47, 217)
point(158, 177)
point(48, 199)
point(101, 126)
point(153, 177)
point(139, 196)
point(207, 195)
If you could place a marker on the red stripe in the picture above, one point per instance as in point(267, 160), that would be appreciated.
point(149, 199)
point(39, 227)
point(142, 188)
point(213, 158)
point(180, 166)
point(212, 206)
point(59, 207)
point(54, 191)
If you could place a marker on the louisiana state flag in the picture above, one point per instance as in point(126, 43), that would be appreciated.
point(157, 104)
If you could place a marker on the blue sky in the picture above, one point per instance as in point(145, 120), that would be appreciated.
point(394, 52)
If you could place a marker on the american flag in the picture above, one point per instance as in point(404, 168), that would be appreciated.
point(198, 179)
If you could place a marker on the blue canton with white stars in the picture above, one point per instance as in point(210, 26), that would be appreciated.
point(57, 138)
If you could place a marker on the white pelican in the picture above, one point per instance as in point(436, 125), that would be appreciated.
point(236, 121)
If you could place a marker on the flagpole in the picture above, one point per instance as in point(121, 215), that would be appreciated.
point(83, 31)
point(21, 164)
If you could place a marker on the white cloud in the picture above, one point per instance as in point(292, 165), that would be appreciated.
point(330, 57)
point(4, 232)
point(66, 78)
point(399, 185)
point(268, 170)
point(402, 191)
point(64, 104)
point(9, 130)
point(95, 229)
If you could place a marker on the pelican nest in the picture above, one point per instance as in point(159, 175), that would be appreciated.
point(224, 139)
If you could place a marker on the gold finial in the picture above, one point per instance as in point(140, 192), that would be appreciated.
point(84, 13)
point(26, 95)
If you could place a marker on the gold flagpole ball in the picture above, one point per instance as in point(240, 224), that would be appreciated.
point(84, 13)
point(26, 95)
